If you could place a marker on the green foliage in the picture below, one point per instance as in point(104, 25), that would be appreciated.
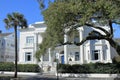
point(116, 59)
point(64, 68)
point(64, 14)
point(7, 66)
point(90, 68)
point(28, 68)
point(15, 19)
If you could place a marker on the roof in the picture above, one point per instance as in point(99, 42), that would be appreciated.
point(4, 34)
point(38, 24)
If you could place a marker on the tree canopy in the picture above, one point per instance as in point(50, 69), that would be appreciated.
point(71, 14)
point(15, 19)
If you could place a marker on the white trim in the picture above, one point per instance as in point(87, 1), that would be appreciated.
point(19, 73)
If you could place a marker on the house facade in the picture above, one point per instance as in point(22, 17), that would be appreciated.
point(7, 47)
point(90, 52)
point(30, 38)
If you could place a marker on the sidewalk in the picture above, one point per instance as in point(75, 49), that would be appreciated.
point(47, 76)
point(5, 73)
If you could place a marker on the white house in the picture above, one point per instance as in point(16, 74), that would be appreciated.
point(29, 40)
point(90, 52)
point(7, 47)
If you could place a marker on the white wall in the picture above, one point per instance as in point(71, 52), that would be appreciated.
point(34, 30)
point(7, 50)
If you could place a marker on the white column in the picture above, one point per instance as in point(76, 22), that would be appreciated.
point(101, 51)
point(41, 59)
point(101, 55)
point(36, 41)
point(86, 54)
point(108, 52)
point(49, 55)
point(35, 46)
point(81, 46)
point(89, 57)
point(65, 49)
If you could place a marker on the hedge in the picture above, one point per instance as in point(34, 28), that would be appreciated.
point(90, 68)
point(28, 68)
point(8, 66)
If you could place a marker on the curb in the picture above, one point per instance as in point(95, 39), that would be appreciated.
point(20, 73)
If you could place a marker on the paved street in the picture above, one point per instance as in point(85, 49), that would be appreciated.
point(42, 77)
point(50, 77)
point(29, 77)
point(46, 78)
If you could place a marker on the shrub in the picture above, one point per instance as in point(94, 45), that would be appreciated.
point(6, 66)
point(63, 68)
point(28, 68)
point(9, 66)
point(90, 68)
point(116, 59)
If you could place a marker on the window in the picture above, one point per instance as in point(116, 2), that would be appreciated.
point(28, 56)
point(29, 39)
point(76, 39)
point(2, 44)
point(95, 54)
point(77, 56)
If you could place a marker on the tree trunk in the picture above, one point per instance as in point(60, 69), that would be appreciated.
point(15, 29)
point(115, 45)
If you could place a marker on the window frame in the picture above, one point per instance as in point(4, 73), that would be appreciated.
point(95, 54)
point(77, 56)
point(28, 54)
point(29, 39)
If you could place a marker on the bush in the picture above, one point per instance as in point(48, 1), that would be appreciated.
point(90, 68)
point(8, 66)
point(63, 68)
point(28, 68)
point(116, 59)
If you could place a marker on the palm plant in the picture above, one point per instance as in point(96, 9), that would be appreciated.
point(15, 20)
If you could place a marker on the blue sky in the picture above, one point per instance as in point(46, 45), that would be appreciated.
point(30, 9)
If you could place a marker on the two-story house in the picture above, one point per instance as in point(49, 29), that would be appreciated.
point(7, 47)
point(90, 52)
point(29, 40)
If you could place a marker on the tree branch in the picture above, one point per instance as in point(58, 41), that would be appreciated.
point(91, 38)
point(111, 28)
point(94, 26)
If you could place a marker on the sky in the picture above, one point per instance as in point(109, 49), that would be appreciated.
point(31, 11)
point(29, 8)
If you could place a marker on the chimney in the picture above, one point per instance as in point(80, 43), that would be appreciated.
point(0, 31)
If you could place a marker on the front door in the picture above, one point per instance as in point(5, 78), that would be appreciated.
point(62, 59)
